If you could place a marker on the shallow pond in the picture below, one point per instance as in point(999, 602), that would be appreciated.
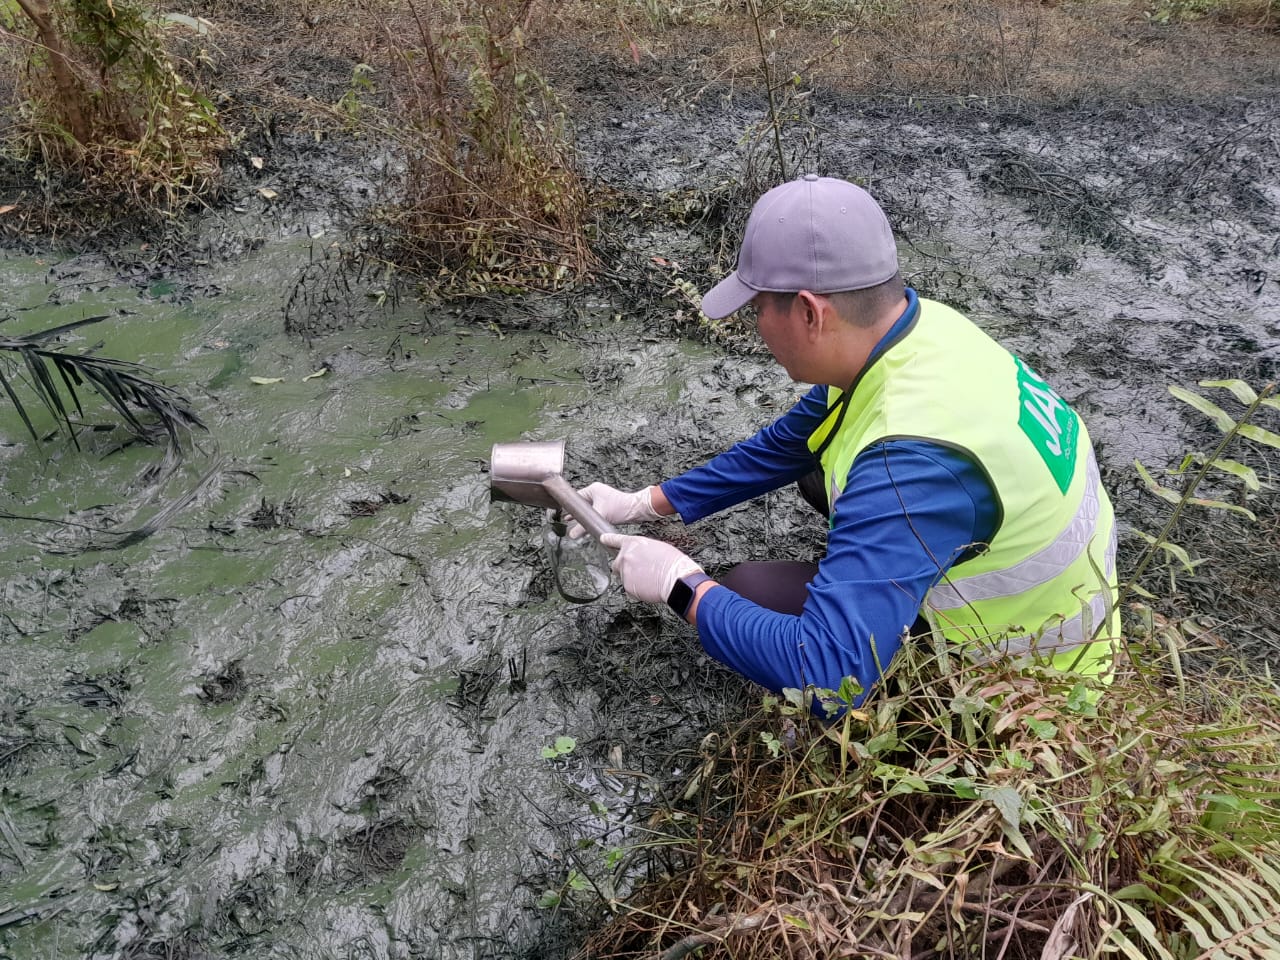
point(319, 696)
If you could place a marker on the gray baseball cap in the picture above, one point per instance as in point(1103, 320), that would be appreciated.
point(816, 233)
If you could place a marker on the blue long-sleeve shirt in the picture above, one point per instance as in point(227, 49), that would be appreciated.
point(909, 509)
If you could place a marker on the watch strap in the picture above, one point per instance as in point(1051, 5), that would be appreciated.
point(680, 599)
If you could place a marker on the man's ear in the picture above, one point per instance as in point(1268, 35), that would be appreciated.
point(815, 313)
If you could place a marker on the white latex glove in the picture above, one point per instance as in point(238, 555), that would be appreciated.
point(616, 506)
point(648, 568)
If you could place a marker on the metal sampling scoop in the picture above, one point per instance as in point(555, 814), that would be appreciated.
point(532, 473)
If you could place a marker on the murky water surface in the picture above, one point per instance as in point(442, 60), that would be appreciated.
point(301, 688)
point(307, 716)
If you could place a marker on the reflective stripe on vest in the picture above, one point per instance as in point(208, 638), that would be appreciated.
point(1055, 638)
point(1039, 568)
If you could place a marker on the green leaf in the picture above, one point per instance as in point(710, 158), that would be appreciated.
point(1223, 505)
point(1080, 700)
point(966, 705)
point(900, 780)
point(198, 25)
point(1222, 420)
point(1204, 939)
point(911, 783)
point(549, 899)
point(1225, 920)
point(1259, 435)
point(1138, 891)
point(1177, 552)
point(850, 690)
point(565, 745)
point(1017, 841)
point(1007, 800)
point(1172, 496)
point(1236, 469)
point(1044, 729)
point(1148, 481)
point(882, 742)
point(1232, 802)
point(1140, 923)
point(1157, 819)
point(1239, 389)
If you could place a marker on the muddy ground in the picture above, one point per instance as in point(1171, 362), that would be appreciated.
point(336, 755)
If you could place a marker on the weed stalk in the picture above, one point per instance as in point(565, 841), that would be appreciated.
point(753, 9)
point(1188, 494)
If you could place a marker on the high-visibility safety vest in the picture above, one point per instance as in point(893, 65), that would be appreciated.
point(1046, 583)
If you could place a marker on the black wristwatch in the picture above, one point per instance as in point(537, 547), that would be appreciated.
point(680, 599)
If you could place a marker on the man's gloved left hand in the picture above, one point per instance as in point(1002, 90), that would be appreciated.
point(648, 568)
point(616, 506)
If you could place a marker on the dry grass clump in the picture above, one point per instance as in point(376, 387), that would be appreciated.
point(979, 813)
point(99, 97)
point(1055, 50)
point(493, 199)
point(1254, 14)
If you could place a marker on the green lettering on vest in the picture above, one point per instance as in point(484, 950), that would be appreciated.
point(1052, 427)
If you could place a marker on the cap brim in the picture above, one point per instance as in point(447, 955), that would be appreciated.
point(725, 297)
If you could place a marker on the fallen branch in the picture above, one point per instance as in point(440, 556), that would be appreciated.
point(694, 941)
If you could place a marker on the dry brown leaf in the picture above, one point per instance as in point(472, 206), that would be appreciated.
point(1061, 944)
point(957, 900)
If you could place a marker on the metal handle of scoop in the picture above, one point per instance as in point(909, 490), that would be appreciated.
point(572, 502)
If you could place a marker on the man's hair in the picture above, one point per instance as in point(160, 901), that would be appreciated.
point(863, 308)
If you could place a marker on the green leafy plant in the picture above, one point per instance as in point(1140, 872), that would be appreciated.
point(977, 812)
point(549, 899)
point(561, 748)
point(1232, 427)
point(102, 98)
point(350, 104)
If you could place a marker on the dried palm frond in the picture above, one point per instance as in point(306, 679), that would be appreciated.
point(124, 385)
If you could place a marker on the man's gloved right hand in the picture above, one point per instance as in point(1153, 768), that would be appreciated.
point(616, 506)
point(648, 568)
